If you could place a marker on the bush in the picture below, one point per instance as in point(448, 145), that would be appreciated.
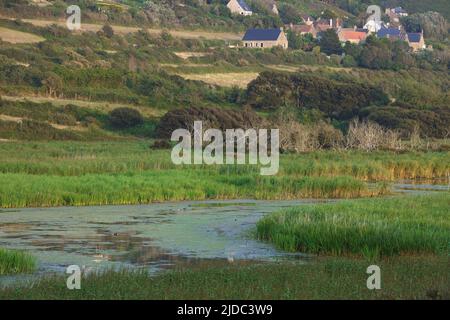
point(369, 136)
point(125, 118)
point(211, 117)
point(63, 119)
point(161, 144)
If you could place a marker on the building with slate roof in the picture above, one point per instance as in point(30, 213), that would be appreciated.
point(416, 41)
point(265, 38)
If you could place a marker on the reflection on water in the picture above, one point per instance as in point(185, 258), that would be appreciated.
point(155, 236)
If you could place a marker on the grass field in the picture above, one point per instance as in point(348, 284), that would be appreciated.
point(185, 34)
point(12, 262)
point(130, 172)
point(401, 278)
point(97, 105)
point(239, 79)
point(14, 36)
point(369, 227)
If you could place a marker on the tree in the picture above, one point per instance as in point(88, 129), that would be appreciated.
point(329, 43)
point(304, 42)
point(433, 24)
point(289, 14)
point(349, 61)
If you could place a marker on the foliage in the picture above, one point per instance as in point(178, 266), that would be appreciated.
point(329, 42)
point(336, 99)
point(125, 118)
point(211, 117)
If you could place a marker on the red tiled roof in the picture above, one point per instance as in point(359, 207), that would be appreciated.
point(353, 35)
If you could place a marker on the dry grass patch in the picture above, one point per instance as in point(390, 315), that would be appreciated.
point(14, 36)
point(102, 106)
point(240, 79)
point(187, 55)
point(186, 34)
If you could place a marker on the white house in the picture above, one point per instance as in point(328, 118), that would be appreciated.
point(373, 26)
point(239, 7)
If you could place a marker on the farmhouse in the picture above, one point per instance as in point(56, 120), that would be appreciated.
point(314, 27)
point(239, 7)
point(395, 14)
point(303, 29)
point(416, 41)
point(352, 35)
point(391, 34)
point(265, 38)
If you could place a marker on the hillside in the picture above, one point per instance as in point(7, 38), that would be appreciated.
point(170, 13)
point(46, 70)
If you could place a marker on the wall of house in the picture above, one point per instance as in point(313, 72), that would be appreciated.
point(235, 8)
point(416, 46)
point(281, 41)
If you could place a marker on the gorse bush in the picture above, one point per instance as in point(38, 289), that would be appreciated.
point(337, 99)
point(125, 118)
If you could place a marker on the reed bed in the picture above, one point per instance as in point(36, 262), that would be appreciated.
point(364, 227)
point(22, 190)
point(79, 158)
point(97, 173)
point(13, 262)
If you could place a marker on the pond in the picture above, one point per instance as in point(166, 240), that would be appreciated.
point(155, 236)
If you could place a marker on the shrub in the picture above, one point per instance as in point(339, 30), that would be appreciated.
point(161, 144)
point(211, 117)
point(125, 118)
point(367, 136)
point(63, 119)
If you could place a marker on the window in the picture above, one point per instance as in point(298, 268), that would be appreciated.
point(262, 44)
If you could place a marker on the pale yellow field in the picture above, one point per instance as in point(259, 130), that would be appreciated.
point(187, 55)
point(14, 36)
point(240, 79)
point(186, 34)
point(102, 106)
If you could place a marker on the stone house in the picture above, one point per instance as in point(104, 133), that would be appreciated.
point(239, 7)
point(265, 38)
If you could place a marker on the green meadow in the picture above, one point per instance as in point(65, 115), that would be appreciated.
point(34, 174)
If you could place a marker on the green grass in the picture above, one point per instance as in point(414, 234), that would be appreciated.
point(13, 262)
point(21, 190)
point(401, 278)
point(369, 227)
point(130, 172)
